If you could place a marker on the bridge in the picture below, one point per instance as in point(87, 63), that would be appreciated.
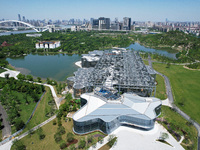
point(37, 29)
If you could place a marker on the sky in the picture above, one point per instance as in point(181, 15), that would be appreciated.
point(138, 10)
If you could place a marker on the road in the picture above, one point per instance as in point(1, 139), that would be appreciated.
point(6, 131)
point(171, 100)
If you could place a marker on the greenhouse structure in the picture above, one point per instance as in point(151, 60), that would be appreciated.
point(115, 69)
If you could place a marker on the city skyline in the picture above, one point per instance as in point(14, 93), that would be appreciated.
point(143, 10)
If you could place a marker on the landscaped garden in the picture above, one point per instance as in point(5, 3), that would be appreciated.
point(59, 137)
point(178, 127)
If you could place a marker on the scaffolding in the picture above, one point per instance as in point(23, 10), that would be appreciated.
point(118, 69)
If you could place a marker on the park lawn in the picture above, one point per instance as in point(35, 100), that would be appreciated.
point(185, 86)
point(26, 109)
point(160, 87)
point(42, 108)
point(2, 70)
point(32, 142)
point(178, 123)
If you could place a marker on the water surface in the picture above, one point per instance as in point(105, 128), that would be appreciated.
point(57, 67)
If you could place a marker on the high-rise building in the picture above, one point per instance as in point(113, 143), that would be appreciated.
point(24, 19)
point(127, 23)
point(91, 21)
point(19, 17)
point(104, 23)
point(95, 24)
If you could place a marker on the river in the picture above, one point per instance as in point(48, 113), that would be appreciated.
point(60, 66)
point(17, 32)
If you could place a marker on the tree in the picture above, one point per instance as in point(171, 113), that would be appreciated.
point(164, 136)
point(74, 107)
point(29, 77)
point(21, 76)
point(41, 133)
point(18, 145)
point(168, 65)
point(7, 75)
point(70, 137)
point(19, 124)
point(39, 79)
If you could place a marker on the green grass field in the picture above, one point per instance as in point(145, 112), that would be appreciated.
point(179, 124)
point(160, 88)
point(43, 107)
point(33, 143)
point(185, 87)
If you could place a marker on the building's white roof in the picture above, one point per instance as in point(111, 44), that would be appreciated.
point(130, 105)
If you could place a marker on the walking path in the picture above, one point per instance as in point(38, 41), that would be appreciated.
point(7, 146)
point(171, 101)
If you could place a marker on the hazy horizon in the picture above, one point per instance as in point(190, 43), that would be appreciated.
point(138, 10)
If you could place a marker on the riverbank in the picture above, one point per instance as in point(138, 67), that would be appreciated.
point(160, 47)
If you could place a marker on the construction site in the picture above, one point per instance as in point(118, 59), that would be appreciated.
point(116, 69)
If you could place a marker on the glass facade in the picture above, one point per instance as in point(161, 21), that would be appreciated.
point(158, 110)
point(107, 127)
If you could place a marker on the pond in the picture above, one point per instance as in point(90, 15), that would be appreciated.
point(60, 66)
point(138, 47)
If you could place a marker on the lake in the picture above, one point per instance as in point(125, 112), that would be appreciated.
point(56, 67)
point(60, 66)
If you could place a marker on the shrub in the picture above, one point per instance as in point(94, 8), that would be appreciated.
point(61, 130)
point(70, 137)
point(54, 122)
point(63, 145)
point(90, 139)
point(112, 139)
point(41, 136)
point(82, 144)
point(57, 137)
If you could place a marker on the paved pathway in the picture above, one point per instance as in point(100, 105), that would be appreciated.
point(10, 72)
point(7, 146)
point(6, 131)
point(171, 100)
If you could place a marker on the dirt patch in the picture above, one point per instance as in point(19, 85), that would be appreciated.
point(190, 68)
point(73, 142)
